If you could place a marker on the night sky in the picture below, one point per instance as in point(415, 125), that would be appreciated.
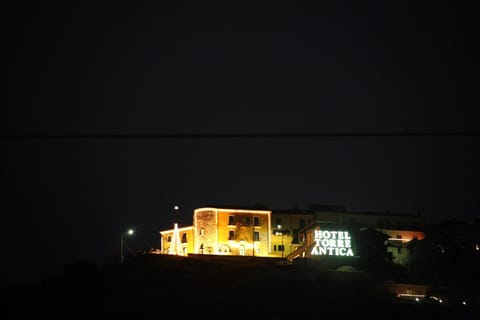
point(93, 90)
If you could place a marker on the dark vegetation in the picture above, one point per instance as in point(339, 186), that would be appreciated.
point(158, 286)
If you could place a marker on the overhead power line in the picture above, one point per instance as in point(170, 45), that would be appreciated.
point(237, 135)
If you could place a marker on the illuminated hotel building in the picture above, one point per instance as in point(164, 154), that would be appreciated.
point(401, 229)
point(289, 234)
point(219, 231)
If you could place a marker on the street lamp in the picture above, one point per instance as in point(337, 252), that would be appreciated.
point(280, 227)
point(129, 232)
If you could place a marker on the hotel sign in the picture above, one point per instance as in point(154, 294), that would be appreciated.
point(332, 243)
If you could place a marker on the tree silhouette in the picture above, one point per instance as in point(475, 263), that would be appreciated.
point(372, 249)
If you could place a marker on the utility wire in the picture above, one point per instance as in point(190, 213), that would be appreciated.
point(236, 135)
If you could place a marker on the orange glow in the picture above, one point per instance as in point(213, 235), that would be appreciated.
point(403, 236)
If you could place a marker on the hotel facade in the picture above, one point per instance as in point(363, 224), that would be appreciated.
point(290, 234)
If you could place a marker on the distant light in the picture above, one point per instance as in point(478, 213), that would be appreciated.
point(130, 232)
point(464, 303)
point(279, 226)
point(440, 300)
point(176, 207)
point(477, 247)
point(416, 299)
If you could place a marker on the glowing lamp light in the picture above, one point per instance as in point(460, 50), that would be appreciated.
point(128, 232)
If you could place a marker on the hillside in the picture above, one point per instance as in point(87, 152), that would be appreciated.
point(157, 286)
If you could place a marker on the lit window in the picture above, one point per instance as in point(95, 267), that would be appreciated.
point(202, 232)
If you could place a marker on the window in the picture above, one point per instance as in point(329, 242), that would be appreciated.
point(231, 235)
point(231, 220)
point(256, 221)
point(399, 236)
point(202, 232)
point(256, 236)
point(169, 239)
point(246, 221)
point(281, 247)
point(184, 238)
point(274, 247)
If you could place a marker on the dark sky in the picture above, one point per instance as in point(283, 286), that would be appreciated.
point(197, 68)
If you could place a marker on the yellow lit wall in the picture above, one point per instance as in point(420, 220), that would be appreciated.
point(289, 226)
point(232, 231)
point(185, 235)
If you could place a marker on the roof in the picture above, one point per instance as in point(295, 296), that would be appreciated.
point(238, 207)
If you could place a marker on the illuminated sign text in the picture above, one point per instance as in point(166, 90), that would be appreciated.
point(332, 243)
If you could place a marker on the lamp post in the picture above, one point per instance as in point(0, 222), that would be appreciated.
point(128, 232)
point(280, 227)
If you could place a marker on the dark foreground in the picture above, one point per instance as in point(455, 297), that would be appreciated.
point(159, 287)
